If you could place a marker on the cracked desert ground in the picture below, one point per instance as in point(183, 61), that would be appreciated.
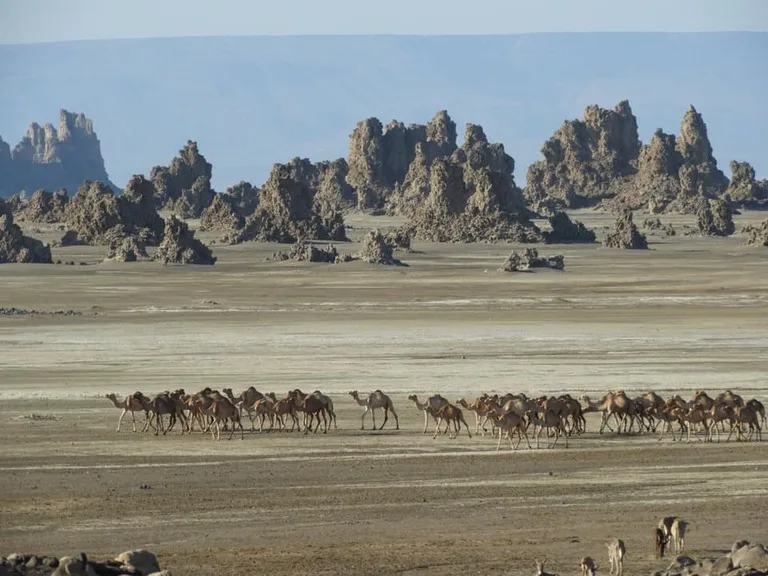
point(691, 313)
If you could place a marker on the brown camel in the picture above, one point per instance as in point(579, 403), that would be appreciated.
point(511, 423)
point(376, 400)
point(222, 410)
point(451, 414)
point(136, 402)
point(587, 566)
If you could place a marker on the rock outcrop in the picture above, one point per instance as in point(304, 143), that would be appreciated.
point(744, 559)
point(376, 250)
point(600, 159)
point(744, 190)
point(126, 249)
point(303, 251)
point(95, 215)
point(221, 215)
point(42, 208)
point(566, 231)
point(50, 158)
point(380, 157)
point(184, 187)
point(714, 218)
point(757, 235)
point(298, 202)
point(625, 235)
point(15, 247)
point(244, 197)
point(179, 245)
point(529, 258)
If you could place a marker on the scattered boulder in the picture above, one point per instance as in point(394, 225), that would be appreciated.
point(42, 208)
point(399, 239)
point(714, 218)
point(757, 235)
point(529, 258)
point(376, 250)
point(745, 559)
point(140, 560)
point(656, 225)
point(15, 247)
point(565, 231)
point(179, 245)
point(600, 160)
point(50, 158)
point(184, 187)
point(625, 235)
point(303, 251)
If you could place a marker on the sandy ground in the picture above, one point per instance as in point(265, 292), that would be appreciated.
point(688, 314)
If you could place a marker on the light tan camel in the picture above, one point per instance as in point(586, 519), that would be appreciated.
point(136, 402)
point(665, 525)
point(720, 414)
point(696, 416)
point(246, 398)
point(374, 401)
point(587, 566)
point(670, 415)
point(540, 568)
point(451, 414)
point(616, 553)
point(263, 408)
point(554, 425)
point(479, 408)
point(511, 423)
point(430, 407)
point(677, 535)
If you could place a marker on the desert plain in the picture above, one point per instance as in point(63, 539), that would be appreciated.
point(690, 313)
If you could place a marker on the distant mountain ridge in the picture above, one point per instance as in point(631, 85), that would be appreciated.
point(52, 158)
point(252, 101)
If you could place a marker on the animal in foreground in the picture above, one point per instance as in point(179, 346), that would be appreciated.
point(661, 542)
point(677, 535)
point(540, 568)
point(616, 553)
point(588, 567)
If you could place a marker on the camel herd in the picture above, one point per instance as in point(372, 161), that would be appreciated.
point(669, 535)
point(509, 415)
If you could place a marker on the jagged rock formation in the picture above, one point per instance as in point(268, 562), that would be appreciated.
point(299, 201)
point(714, 218)
point(399, 239)
point(600, 158)
point(95, 215)
point(656, 225)
point(15, 247)
point(529, 258)
point(179, 245)
point(184, 187)
point(744, 190)
point(379, 158)
point(244, 198)
point(126, 249)
point(221, 215)
point(303, 251)
point(625, 234)
point(42, 208)
point(51, 159)
point(564, 231)
point(376, 250)
point(756, 235)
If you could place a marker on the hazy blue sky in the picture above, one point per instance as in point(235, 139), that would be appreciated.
point(29, 21)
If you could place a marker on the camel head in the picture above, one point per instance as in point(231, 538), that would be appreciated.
point(413, 398)
point(227, 391)
point(540, 566)
point(110, 396)
point(354, 394)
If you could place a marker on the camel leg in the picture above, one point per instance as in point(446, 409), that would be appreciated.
point(397, 420)
point(425, 421)
point(362, 419)
point(386, 417)
point(373, 418)
point(120, 420)
point(437, 428)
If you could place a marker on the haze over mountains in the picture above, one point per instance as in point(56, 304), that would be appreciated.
point(253, 101)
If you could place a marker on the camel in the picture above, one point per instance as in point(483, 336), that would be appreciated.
point(450, 413)
point(430, 407)
point(170, 404)
point(510, 422)
point(136, 402)
point(540, 568)
point(696, 414)
point(587, 566)
point(748, 414)
point(376, 400)
point(222, 410)
point(313, 407)
point(263, 407)
point(720, 414)
point(616, 553)
point(246, 398)
point(550, 420)
point(480, 408)
point(758, 407)
point(665, 525)
point(677, 535)
point(660, 542)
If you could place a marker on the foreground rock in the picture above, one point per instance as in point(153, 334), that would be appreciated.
point(757, 235)
point(745, 559)
point(126, 249)
point(376, 250)
point(15, 247)
point(184, 186)
point(179, 245)
point(600, 158)
point(131, 563)
point(567, 231)
point(714, 218)
point(304, 251)
point(529, 258)
point(50, 158)
point(625, 234)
